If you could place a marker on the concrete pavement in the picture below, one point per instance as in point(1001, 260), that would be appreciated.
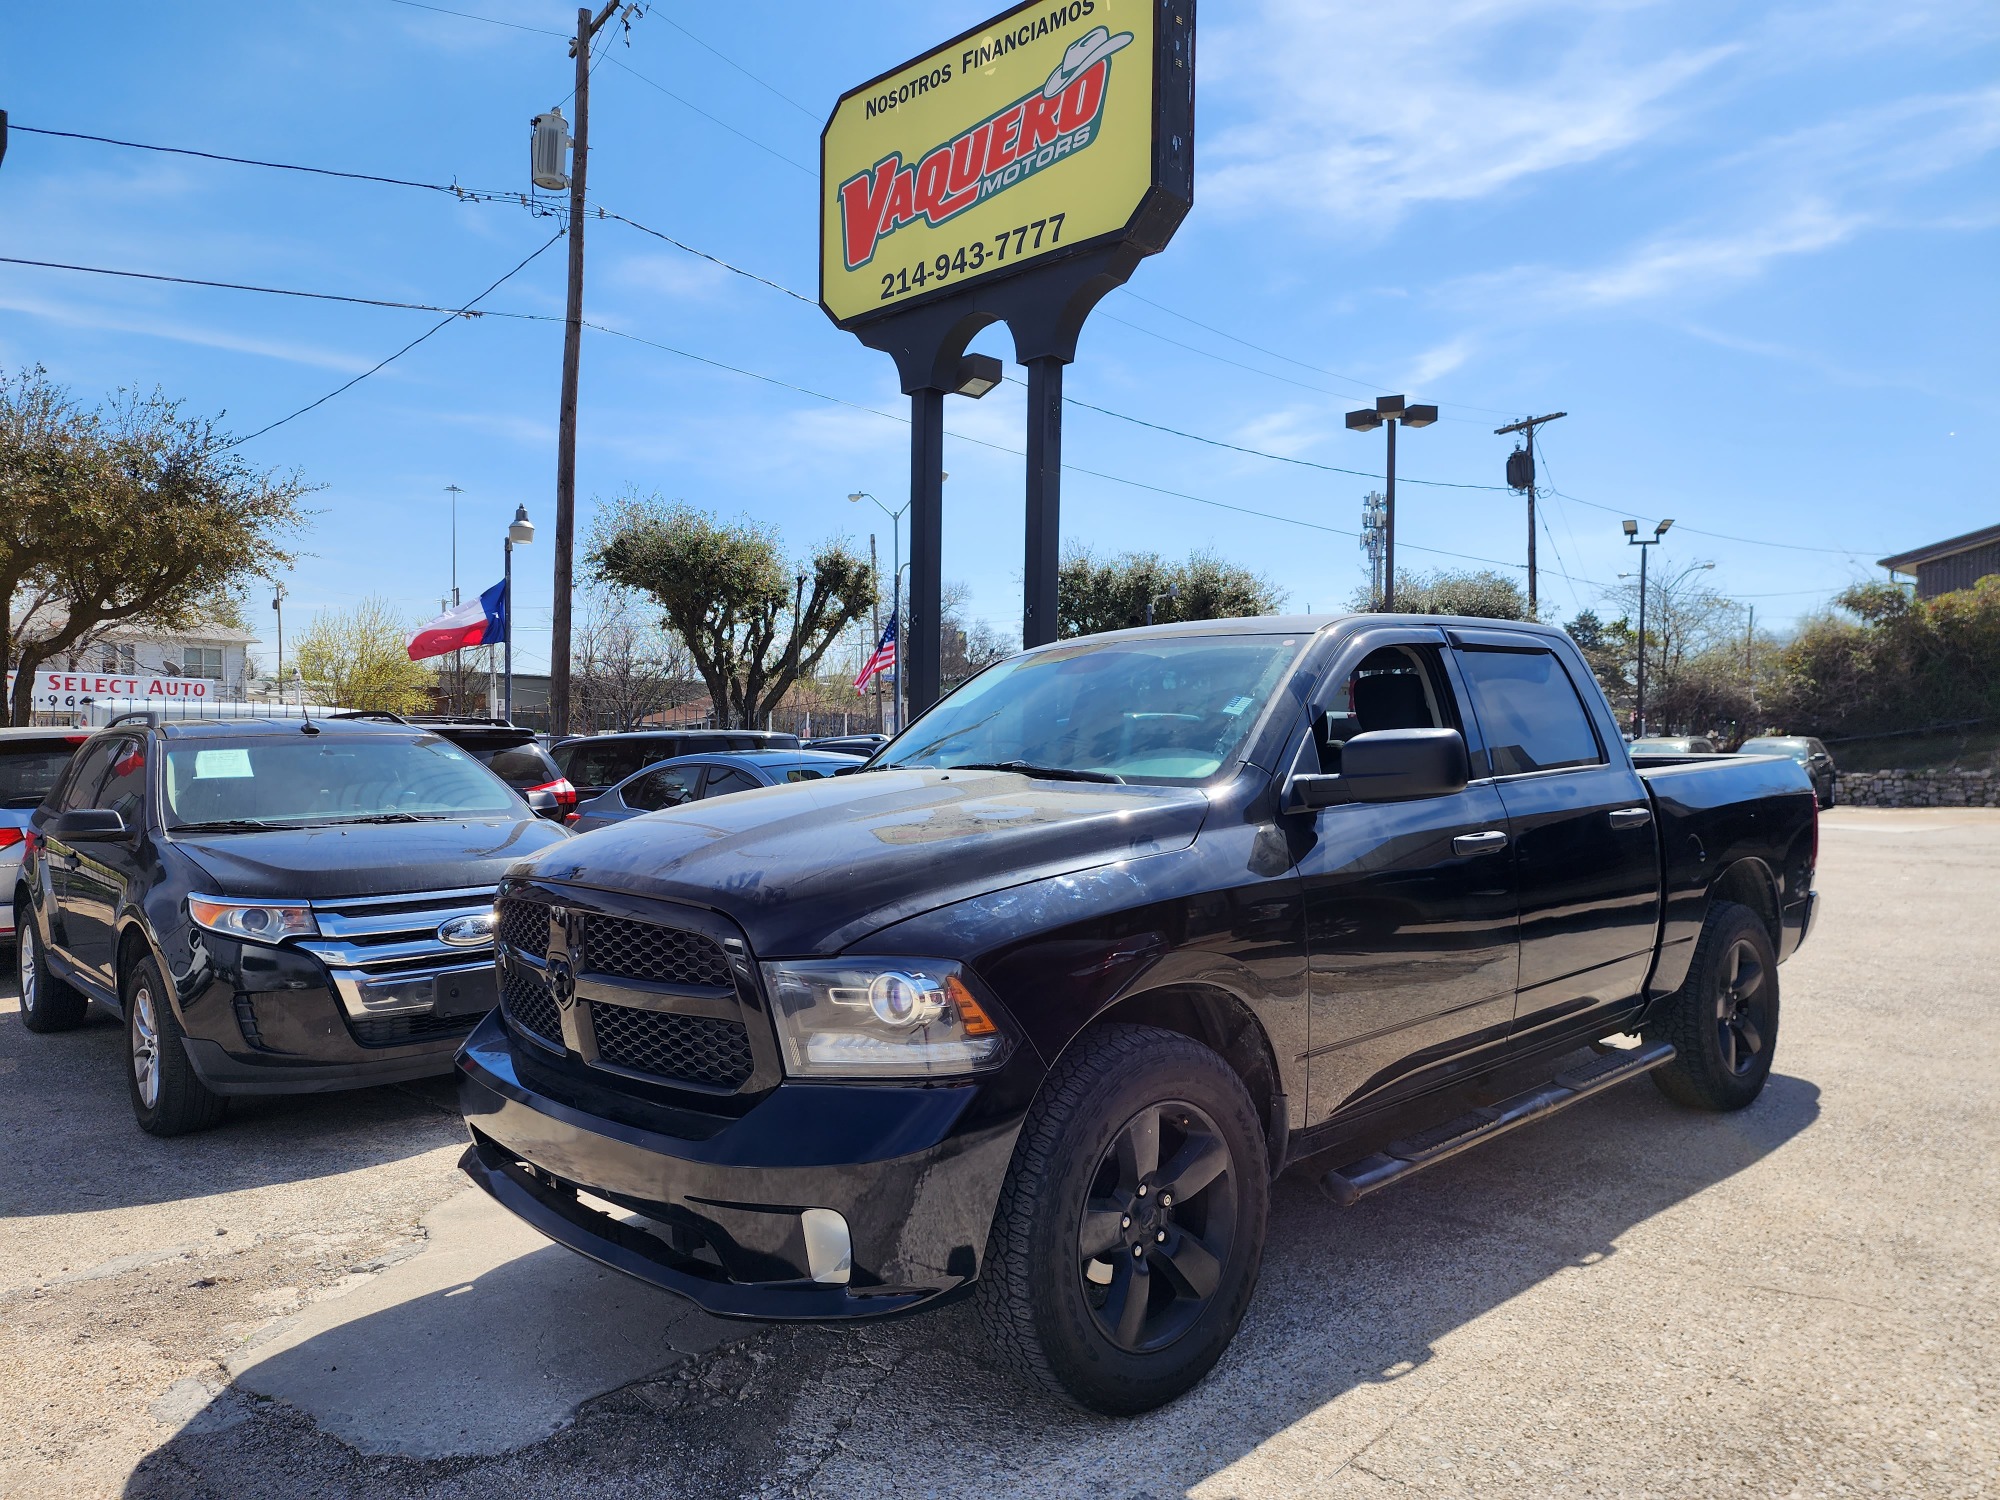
point(1627, 1299)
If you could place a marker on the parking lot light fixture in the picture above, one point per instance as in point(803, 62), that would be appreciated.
point(519, 534)
point(1390, 412)
point(1633, 538)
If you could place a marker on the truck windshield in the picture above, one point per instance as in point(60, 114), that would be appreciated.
point(1169, 710)
point(328, 778)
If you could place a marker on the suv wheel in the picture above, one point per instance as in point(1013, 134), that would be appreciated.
point(1723, 1022)
point(167, 1097)
point(47, 1004)
point(1130, 1230)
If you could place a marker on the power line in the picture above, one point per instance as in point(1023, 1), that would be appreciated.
point(281, 166)
point(466, 15)
point(761, 83)
point(773, 151)
point(716, 259)
point(451, 318)
point(274, 291)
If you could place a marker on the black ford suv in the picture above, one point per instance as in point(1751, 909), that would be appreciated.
point(1033, 1007)
point(272, 907)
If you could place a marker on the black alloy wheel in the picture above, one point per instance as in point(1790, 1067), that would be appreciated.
point(1157, 1227)
point(1742, 1011)
point(1723, 1021)
point(1130, 1230)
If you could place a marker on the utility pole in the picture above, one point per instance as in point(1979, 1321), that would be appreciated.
point(458, 656)
point(1374, 534)
point(1521, 476)
point(586, 28)
point(278, 607)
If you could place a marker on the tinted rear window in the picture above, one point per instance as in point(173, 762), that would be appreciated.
point(29, 768)
point(1529, 712)
point(519, 765)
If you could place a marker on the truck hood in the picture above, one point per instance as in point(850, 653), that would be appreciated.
point(814, 867)
point(366, 859)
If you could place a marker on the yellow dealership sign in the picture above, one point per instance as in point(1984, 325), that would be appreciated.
point(1058, 126)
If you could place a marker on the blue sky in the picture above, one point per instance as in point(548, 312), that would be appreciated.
point(1751, 250)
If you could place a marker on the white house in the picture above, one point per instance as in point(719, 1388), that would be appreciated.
point(209, 662)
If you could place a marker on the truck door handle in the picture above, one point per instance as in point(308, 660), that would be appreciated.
point(1489, 842)
point(1631, 817)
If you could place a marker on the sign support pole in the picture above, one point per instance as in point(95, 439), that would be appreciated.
point(924, 640)
point(1043, 559)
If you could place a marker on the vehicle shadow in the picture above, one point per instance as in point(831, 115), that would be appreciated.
point(1348, 1299)
point(106, 1161)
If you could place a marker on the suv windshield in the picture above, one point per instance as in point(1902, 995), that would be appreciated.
point(328, 778)
point(1171, 710)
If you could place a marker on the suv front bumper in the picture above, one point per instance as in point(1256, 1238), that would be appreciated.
point(732, 1212)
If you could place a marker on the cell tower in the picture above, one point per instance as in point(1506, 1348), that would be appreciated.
point(1375, 542)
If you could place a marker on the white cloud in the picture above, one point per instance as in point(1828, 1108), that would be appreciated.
point(1359, 113)
point(678, 276)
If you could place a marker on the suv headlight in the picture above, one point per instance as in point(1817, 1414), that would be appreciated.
point(882, 1018)
point(258, 921)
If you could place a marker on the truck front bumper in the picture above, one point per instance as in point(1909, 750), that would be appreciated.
point(822, 1202)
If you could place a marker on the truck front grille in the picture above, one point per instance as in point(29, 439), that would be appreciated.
point(659, 1000)
point(698, 1049)
point(625, 949)
point(525, 998)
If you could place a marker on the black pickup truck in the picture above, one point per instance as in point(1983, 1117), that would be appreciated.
point(1034, 1006)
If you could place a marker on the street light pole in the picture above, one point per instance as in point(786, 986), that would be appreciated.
point(895, 598)
point(1642, 543)
point(521, 531)
point(1390, 412)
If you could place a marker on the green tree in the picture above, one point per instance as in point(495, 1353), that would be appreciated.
point(752, 622)
point(132, 512)
point(1096, 594)
point(360, 660)
point(1483, 595)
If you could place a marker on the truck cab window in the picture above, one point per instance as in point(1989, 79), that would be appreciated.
point(1529, 711)
point(1393, 688)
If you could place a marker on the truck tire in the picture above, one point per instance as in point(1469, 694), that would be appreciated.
point(1130, 1229)
point(47, 1004)
point(1723, 1021)
point(167, 1097)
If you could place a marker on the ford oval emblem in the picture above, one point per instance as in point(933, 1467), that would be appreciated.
point(472, 931)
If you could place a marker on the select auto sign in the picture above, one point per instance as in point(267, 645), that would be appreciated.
point(62, 691)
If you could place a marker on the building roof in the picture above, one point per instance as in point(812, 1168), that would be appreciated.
point(1903, 562)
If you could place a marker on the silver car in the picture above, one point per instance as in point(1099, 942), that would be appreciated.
point(696, 778)
point(30, 762)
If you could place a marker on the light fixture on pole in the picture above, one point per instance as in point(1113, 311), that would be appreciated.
point(519, 534)
point(895, 595)
point(1633, 538)
point(278, 606)
point(1390, 412)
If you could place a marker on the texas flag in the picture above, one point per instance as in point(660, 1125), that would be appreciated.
point(480, 623)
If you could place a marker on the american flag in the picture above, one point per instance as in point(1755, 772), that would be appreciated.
point(883, 661)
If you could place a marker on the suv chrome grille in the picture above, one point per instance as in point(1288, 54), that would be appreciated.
point(700, 1049)
point(625, 949)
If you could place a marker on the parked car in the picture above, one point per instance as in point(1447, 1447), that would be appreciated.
point(849, 744)
point(1808, 752)
point(1033, 1008)
point(596, 763)
point(516, 755)
point(1681, 744)
point(31, 760)
point(271, 906)
point(695, 778)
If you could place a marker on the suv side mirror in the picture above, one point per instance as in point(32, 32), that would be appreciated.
point(543, 804)
point(1387, 765)
point(83, 824)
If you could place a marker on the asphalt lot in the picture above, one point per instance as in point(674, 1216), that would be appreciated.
point(1802, 1299)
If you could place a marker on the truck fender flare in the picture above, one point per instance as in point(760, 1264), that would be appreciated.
point(1749, 881)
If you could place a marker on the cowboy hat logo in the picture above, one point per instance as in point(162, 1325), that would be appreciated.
point(1083, 54)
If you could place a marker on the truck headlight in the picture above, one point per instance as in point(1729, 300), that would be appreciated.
point(259, 921)
point(882, 1018)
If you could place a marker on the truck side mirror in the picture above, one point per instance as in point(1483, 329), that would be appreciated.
point(1387, 765)
point(83, 824)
